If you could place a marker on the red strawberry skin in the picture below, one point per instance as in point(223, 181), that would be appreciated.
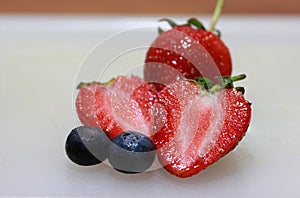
point(200, 128)
point(125, 104)
point(186, 52)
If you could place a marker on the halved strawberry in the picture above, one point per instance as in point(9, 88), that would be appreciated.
point(123, 104)
point(201, 126)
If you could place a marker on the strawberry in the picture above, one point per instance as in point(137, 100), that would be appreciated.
point(203, 122)
point(187, 51)
point(122, 104)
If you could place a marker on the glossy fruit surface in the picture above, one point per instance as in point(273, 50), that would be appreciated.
point(87, 145)
point(131, 152)
point(186, 52)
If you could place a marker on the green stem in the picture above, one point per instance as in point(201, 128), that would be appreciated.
point(109, 82)
point(215, 88)
point(87, 84)
point(238, 77)
point(216, 15)
point(226, 82)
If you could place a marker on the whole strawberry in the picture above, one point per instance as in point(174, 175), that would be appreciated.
point(203, 122)
point(122, 104)
point(187, 51)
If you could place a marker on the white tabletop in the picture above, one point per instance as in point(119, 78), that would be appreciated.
point(40, 57)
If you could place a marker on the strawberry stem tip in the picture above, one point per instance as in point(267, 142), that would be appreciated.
point(238, 77)
point(216, 15)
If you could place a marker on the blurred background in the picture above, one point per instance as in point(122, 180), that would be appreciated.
point(149, 7)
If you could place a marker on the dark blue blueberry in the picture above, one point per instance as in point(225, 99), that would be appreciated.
point(87, 145)
point(131, 152)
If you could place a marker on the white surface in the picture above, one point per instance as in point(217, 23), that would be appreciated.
point(39, 60)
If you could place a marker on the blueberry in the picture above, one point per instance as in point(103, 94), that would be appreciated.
point(87, 145)
point(131, 152)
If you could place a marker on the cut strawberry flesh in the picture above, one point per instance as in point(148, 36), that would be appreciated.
point(86, 104)
point(124, 105)
point(131, 103)
point(192, 128)
point(198, 128)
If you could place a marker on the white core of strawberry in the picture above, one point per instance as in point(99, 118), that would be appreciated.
point(160, 117)
point(188, 124)
point(202, 116)
point(215, 103)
